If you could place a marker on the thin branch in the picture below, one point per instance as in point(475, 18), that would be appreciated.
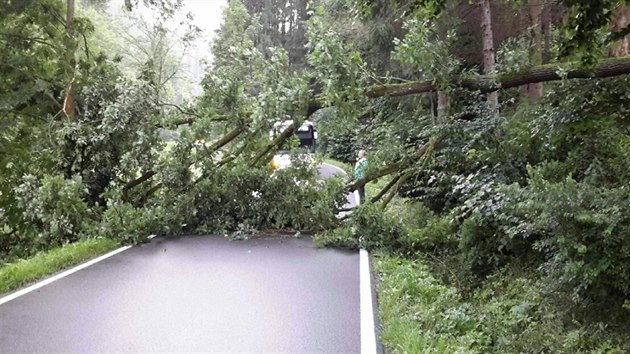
point(180, 109)
point(425, 150)
point(393, 192)
point(30, 39)
point(145, 177)
point(49, 95)
point(85, 43)
point(385, 189)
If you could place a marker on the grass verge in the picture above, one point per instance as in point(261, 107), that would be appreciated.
point(418, 313)
point(22, 272)
point(506, 314)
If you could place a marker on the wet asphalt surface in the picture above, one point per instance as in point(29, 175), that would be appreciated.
point(201, 294)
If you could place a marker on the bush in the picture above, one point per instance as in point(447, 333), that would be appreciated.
point(124, 222)
point(53, 210)
point(583, 233)
point(247, 200)
point(507, 314)
point(369, 228)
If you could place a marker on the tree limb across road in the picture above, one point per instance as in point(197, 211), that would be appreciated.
point(422, 152)
point(489, 83)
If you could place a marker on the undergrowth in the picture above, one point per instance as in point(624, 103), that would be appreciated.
point(506, 314)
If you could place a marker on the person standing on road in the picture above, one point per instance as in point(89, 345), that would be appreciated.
point(359, 172)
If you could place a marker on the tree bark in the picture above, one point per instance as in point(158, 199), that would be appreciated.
point(386, 189)
point(490, 83)
point(535, 90)
point(488, 49)
point(145, 177)
point(619, 23)
point(68, 103)
point(442, 106)
point(546, 28)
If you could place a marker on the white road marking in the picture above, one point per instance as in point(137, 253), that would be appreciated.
point(333, 166)
point(368, 330)
point(368, 335)
point(59, 276)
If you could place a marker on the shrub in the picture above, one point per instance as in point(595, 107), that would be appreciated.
point(583, 233)
point(124, 222)
point(53, 209)
point(249, 199)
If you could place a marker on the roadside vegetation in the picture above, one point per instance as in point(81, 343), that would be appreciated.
point(499, 154)
point(22, 272)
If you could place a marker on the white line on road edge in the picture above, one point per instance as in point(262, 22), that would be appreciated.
point(59, 276)
point(368, 330)
point(368, 336)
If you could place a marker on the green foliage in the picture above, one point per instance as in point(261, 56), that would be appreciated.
point(509, 314)
point(127, 223)
point(336, 140)
point(53, 209)
point(340, 71)
point(581, 229)
point(584, 31)
point(525, 211)
point(411, 229)
point(256, 199)
point(232, 34)
point(369, 228)
point(427, 51)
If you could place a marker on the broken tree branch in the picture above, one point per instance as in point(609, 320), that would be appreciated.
point(489, 83)
point(286, 134)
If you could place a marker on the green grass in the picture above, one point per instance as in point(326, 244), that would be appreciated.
point(508, 313)
point(22, 272)
point(420, 314)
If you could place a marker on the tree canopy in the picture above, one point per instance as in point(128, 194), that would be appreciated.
point(527, 186)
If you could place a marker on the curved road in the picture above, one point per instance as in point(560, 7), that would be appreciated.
point(196, 294)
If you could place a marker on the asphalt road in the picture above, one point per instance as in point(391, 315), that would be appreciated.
point(196, 294)
point(328, 171)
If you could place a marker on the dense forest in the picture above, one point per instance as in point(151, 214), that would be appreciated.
point(498, 139)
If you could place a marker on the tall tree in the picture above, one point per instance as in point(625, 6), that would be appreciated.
point(283, 25)
point(535, 54)
point(68, 104)
point(620, 21)
point(488, 48)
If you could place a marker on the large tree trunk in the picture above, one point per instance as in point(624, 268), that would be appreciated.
point(620, 22)
point(68, 103)
point(488, 49)
point(535, 90)
point(547, 28)
point(489, 83)
point(442, 106)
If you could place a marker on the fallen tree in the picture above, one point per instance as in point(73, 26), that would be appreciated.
point(399, 166)
point(489, 83)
